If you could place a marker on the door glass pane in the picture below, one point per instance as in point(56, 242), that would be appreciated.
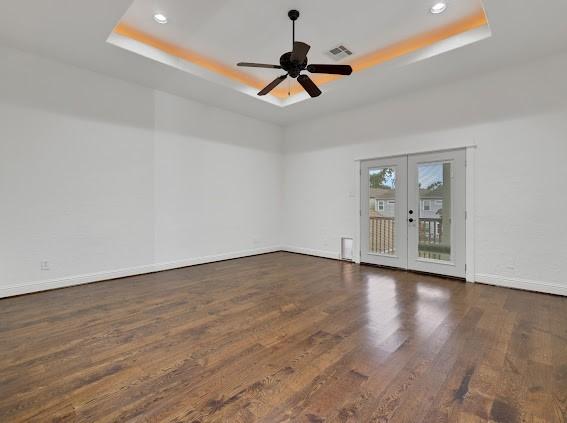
point(382, 210)
point(434, 211)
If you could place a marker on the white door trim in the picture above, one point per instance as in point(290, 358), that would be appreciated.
point(470, 273)
point(417, 151)
point(356, 238)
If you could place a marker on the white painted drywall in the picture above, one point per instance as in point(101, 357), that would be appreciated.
point(517, 118)
point(218, 181)
point(103, 178)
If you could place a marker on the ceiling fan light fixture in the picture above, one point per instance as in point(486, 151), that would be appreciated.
point(438, 7)
point(160, 18)
point(294, 62)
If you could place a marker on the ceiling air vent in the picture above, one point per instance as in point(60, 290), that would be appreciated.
point(339, 53)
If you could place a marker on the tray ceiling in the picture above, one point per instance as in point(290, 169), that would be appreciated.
point(207, 39)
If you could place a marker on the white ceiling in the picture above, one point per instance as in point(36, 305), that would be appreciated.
point(231, 31)
point(75, 32)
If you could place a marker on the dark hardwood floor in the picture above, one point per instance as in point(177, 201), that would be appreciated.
point(283, 338)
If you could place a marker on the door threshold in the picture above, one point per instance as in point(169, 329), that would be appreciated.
point(417, 272)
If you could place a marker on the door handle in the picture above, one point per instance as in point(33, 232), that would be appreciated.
point(410, 220)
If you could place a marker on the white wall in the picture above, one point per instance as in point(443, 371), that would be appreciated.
point(517, 118)
point(103, 178)
point(218, 182)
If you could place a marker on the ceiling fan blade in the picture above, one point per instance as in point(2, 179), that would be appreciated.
point(299, 53)
point(332, 69)
point(272, 85)
point(309, 85)
point(258, 65)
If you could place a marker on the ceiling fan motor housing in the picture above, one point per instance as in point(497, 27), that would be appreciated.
point(291, 66)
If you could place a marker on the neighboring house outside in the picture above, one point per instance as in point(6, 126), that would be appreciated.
point(431, 203)
point(430, 208)
point(383, 203)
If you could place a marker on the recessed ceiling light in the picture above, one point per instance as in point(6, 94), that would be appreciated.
point(438, 7)
point(160, 18)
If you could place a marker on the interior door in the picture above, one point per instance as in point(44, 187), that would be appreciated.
point(436, 213)
point(383, 212)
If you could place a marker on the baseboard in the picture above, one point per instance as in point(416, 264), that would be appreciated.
point(28, 288)
point(524, 284)
point(37, 286)
point(310, 252)
point(45, 285)
point(211, 259)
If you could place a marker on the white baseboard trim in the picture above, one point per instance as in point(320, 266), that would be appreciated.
point(310, 252)
point(30, 287)
point(524, 284)
point(211, 259)
point(38, 286)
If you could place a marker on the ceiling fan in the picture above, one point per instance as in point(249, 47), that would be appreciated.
point(294, 62)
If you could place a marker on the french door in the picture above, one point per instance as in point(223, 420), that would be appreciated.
point(413, 212)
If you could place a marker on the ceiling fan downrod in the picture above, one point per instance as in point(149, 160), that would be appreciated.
point(293, 15)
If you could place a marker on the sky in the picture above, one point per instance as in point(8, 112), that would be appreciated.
point(429, 173)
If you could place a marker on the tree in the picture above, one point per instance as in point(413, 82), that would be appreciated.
point(378, 179)
point(431, 187)
point(434, 185)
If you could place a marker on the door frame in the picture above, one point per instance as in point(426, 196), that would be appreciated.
point(470, 163)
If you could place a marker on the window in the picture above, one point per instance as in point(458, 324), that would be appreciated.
point(426, 205)
point(372, 204)
point(380, 205)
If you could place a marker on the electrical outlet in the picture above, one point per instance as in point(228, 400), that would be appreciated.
point(44, 265)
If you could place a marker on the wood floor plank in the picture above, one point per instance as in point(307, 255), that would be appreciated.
point(283, 338)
